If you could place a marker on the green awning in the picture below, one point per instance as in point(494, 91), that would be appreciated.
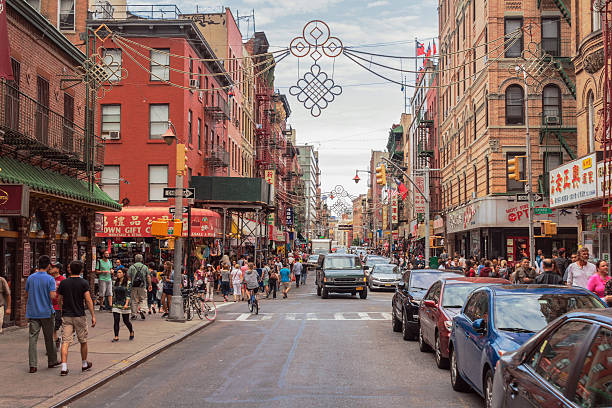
point(398, 129)
point(48, 181)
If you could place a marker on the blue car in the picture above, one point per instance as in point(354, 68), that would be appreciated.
point(498, 319)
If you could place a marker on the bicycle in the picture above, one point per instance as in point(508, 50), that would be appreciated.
point(194, 304)
point(253, 302)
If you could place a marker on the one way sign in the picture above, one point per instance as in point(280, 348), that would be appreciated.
point(525, 197)
point(172, 192)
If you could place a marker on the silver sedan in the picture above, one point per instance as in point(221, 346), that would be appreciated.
point(384, 276)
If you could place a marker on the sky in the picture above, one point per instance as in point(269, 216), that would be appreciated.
point(359, 119)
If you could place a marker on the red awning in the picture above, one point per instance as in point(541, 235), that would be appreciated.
point(136, 222)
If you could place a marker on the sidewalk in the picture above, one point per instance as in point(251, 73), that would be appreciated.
point(46, 388)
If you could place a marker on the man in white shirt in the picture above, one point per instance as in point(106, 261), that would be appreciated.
point(579, 272)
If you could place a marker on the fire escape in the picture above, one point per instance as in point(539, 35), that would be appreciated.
point(426, 156)
point(606, 137)
point(263, 158)
point(218, 111)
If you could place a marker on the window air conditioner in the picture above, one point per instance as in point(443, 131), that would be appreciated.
point(552, 120)
point(114, 135)
point(194, 83)
point(201, 96)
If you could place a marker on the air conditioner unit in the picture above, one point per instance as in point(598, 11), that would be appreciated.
point(201, 96)
point(114, 135)
point(194, 83)
point(474, 195)
point(552, 120)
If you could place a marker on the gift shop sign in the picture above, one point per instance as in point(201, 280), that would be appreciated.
point(574, 182)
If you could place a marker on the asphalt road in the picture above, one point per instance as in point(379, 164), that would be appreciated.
point(299, 352)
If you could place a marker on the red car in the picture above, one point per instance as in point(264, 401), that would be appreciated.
point(442, 302)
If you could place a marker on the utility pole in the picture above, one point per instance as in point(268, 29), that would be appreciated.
point(427, 248)
point(528, 187)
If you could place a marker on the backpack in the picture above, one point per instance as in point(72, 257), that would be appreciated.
point(138, 281)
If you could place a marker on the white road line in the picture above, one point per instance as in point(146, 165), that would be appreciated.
point(311, 316)
point(364, 316)
point(386, 316)
point(243, 316)
point(339, 316)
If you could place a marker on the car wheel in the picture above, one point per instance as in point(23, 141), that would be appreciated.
point(457, 382)
point(363, 294)
point(406, 333)
point(488, 389)
point(318, 290)
point(324, 293)
point(423, 347)
point(441, 362)
point(396, 323)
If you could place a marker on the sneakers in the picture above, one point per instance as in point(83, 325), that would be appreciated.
point(89, 365)
point(165, 314)
point(64, 373)
point(33, 370)
point(142, 315)
point(54, 364)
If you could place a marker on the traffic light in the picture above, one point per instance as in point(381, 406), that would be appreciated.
point(548, 228)
point(381, 175)
point(162, 228)
point(514, 168)
point(181, 158)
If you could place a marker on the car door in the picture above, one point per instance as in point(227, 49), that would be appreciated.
point(593, 387)
point(544, 377)
point(429, 313)
point(425, 311)
point(400, 295)
point(460, 333)
point(475, 341)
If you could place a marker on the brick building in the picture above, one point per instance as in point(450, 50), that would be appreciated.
point(47, 156)
point(482, 121)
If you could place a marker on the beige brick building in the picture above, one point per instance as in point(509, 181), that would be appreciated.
point(483, 122)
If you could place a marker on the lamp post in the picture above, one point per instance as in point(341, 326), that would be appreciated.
point(177, 314)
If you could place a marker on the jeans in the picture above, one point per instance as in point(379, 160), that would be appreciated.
point(304, 274)
point(152, 299)
point(297, 280)
point(225, 287)
point(126, 321)
point(47, 327)
point(273, 288)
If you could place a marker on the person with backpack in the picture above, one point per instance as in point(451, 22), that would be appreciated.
point(141, 282)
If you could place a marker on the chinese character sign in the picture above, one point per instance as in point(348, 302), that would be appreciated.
point(289, 215)
point(574, 182)
point(269, 176)
point(394, 209)
point(419, 200)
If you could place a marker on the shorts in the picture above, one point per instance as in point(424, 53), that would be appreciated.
point(286, 285)
point(255, 290)
point(266, 281)
point(74, 324)
point(105, 288)
point(58, 320)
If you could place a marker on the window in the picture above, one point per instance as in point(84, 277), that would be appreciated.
point(199, 134)
point(68, 122)
point(459, 189)
point(190, 125)
point(486, 98)
point(42, 110)
point(514, 186)
point(513, 42)
point(158, 179)
point(109, 181)
point(158, 120)
point(591, 121)
point(475, 180)
point(551, 104)
point(552, 160)
point(160, 65)
point(66, 15)
point(551, 40)
point(553, 357)
point(112, 61)
point(487, 173)
point(35, 4)
point(596, 15)
point(111, 118)
point(206, 138)
point(593, 381)
point(514, 105)
point(477, 307)
point(465, 197)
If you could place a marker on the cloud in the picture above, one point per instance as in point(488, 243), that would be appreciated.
point(378, 3)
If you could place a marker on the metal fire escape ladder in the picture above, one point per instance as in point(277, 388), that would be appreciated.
point(562, 8)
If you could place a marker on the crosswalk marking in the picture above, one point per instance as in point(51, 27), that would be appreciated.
point(310, 316)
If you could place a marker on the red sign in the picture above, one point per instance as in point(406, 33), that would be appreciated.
point(136, 222)
point(14, 199)
point(518, 213)
point(6, 70)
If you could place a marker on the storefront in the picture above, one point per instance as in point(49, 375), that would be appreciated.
point(496, 227)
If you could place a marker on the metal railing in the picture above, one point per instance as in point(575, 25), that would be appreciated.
point(553, 118)
point(219, 158)
point(105, 11)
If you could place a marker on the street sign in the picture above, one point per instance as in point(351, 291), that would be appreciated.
point(540, 211)
point(172, 210)
point(172, 192)
point(525, 197)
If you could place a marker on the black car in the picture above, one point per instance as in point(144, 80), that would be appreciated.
point(567, 364)
point(407, 298)
point(341, 273)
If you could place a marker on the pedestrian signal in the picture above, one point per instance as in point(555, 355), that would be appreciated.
point(514, 168)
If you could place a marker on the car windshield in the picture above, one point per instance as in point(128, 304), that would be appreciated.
point(377, 260)
point(313, 258)
point(341, 262)
point(533, 311)
point(422, 280)
point(455, 295)
point(385, 269)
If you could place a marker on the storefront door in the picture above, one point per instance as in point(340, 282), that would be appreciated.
point(517, 248)
point(8, 266)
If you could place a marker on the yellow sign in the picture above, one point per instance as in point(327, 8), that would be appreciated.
point(269, 176)
point(587, 163)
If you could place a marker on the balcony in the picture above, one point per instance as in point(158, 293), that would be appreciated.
point(218, 111)
point(32, 127)
point(219, 158)
point(104, 10)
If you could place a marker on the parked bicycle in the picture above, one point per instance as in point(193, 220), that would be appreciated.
point(194, 304)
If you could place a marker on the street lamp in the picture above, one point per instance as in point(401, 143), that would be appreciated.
point(177, 314)
point(356, 179)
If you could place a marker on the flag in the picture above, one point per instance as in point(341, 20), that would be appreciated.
point(6, 71)
point(403, 190)
point(429, 51)
point(434, 50)
point(420, 49)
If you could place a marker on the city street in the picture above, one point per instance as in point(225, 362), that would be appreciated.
point(303, 351)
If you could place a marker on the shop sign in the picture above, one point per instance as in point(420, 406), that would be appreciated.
point(26, 259)
point(463, 219)
point(14, 199)
point(574, 182)
point(518, 213)
point(419, 200)
point(118, 225)
point(289, 215)
point(53, 252)
point(269, 176)
point(438, 222)
point(99, 222)
point(603, 180)
point(394, 209)
point(94, 257)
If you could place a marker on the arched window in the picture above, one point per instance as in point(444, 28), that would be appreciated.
point(591, 121)
point(551, 104)
point(515, 111)
point(596, 15)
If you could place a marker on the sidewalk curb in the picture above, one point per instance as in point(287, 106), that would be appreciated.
point(101, 378)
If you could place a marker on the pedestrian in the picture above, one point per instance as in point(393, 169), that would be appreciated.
point(504, 271)
point(140, 282)
point(548, 276)
point(486, 270)
point(561, 260)
point(209, 280)
point(5, 300)
point(265, 276)
point(236, 277)
point(73, 293)
point(579, 272)
point(297, 272)
point(285, 276)
point(152, 294)
point(40, 288)
point(251, 279)
point(55, 272)
point(273, 282)
point(597, 282)
point(470, 272)
point(168, 288)
point(225, 280)
point(524, 273)
point(121, 304)
point(104, 268)
point(539, 258)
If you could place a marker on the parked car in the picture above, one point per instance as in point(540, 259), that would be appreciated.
point(408, 294)
point(341, 273)
point(372, 260)
point(314, 262)
point(496, 320)
point(565, 365)
point(443, 301)
point(384, 276)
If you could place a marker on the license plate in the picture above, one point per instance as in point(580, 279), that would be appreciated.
point(359, 288)
point(387, 284)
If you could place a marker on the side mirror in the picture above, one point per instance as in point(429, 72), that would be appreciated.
point(479, 325)
point(429, 303)
point(401, 285)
